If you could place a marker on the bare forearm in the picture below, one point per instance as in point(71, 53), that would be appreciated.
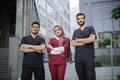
point(75, 43)
point(27, 50)
point(85, 40)
point(90, 39)
point(31, 48)
point(34, 47)
point(80, 44)
point(38, 48)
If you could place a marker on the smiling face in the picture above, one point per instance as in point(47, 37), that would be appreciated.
point(35, 29)
point(57, 31)
point(81, 20)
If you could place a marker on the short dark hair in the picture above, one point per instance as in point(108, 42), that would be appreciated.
point(80, 14)
point(35, 22)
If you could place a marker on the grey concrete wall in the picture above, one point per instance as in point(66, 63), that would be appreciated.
point(15, 58)
point(104, 54)
point(4, 69)
point(106, 51)
point(26, 13)
point(85, 7)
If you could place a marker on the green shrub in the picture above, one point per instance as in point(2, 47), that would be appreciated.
point(115, 13)
point(116, 64)
point(118, 76)
point(106, 64)
point(98, 64)
point(104, 42)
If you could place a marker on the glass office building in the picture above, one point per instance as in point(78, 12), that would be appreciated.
point(51, 13)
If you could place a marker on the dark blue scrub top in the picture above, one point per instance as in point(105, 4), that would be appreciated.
point(34, 59)
point(86, 50)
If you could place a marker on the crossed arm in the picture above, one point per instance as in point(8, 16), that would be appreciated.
point(61, 48)
point(31, 48)
point(83, 41)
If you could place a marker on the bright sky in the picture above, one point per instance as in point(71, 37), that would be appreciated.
point(74, 3)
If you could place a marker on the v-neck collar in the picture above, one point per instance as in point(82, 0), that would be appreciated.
point(82, 29)
point(33, 37)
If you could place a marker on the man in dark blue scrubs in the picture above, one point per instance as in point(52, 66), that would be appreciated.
point(83, 40)
point(32, 46)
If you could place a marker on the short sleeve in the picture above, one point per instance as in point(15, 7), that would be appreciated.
point(42, 41)
point(92, 31)
point(22, 41)
point(73, 37)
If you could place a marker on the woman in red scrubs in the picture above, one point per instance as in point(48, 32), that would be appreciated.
point(59, 53)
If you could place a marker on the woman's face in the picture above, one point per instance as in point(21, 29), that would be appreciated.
point(58, 31)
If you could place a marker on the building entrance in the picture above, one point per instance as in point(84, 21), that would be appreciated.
point(7, 21)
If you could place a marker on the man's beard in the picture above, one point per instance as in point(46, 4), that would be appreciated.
point(34, 33)
point(81, 24)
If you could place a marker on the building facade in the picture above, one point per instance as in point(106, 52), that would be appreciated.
point(16, 17)
point(15, 20)
point(109, 35)
point(98, 14)
point(51, 13)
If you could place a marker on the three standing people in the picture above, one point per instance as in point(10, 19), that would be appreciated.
point(59, 52)
point(83, 41)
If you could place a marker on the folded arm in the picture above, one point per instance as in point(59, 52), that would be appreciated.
point(65, 46)
point(25, 48)
point(49, 46)
point(83, 41)
point(56, 50)
point(76, 43)
point(31, 48)
point(90, 39)
point(38, 47)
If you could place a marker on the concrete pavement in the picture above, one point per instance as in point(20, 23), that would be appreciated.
point(69, 75)
point(102, 73)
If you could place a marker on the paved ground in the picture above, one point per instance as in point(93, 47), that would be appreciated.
point(70, 72)
point(102, 73)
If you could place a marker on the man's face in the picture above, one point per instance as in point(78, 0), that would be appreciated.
point(81, 20)
point(35, 29)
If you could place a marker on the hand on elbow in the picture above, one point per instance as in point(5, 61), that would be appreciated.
point(73, 44)
point(93, 40)
point(21, 50)
point(43, 47)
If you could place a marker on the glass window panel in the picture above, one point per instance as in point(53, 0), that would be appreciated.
point(50, 10)
point(42, 21)
point(42, 3)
